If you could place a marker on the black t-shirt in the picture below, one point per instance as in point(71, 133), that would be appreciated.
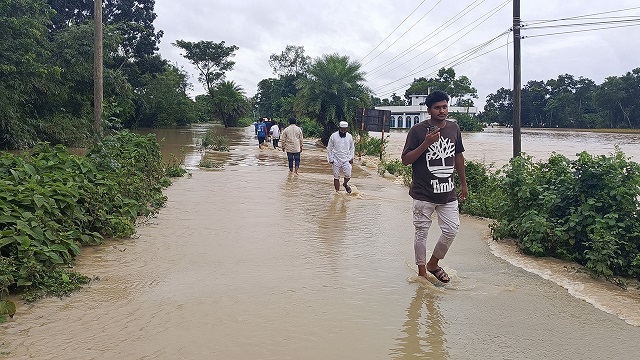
point(432, 179)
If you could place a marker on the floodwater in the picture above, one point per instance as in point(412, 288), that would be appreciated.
point(251, 262)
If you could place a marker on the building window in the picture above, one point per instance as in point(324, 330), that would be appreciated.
point(400, 123)
point(416, 120)
point(393, 122)
point(408, 123)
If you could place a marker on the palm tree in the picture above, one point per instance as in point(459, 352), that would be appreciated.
point(331, 92)
point(229, 103)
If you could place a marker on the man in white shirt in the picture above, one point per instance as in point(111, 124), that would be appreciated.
point(340, 152)
point(275, 134)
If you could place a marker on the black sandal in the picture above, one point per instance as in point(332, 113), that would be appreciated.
point(348, 188)
point(440, 274)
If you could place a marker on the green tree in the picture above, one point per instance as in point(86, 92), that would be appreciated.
point(133, 21)
point(499, 107)
point(331, 92)
point(25, 70)
point(292, 61)
point(210, 58)
point(534, 101)
point(458, 88)
point(165, 98)
point(229, 103)
point(617, 100)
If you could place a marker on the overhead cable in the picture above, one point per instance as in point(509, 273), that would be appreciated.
point(391, 33)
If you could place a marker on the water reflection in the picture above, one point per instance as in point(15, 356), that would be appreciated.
point(423, 336)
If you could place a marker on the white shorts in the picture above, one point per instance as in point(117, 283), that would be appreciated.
point(344, 167)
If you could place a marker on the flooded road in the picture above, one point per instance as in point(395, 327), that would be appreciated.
point(251, 262)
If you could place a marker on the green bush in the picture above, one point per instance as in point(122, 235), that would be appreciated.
point(395, 167)
point(52, 203)
point(215, 142)
point(373, 146)
point(584, 210)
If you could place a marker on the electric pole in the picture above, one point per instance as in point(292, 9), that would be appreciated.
point(517, 80)
point(97, 67)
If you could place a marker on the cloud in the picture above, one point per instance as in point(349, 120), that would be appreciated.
point(433, 36)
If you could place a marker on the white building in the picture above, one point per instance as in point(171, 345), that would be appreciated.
point(404, 117)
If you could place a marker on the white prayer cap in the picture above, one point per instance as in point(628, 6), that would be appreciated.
point(344, 124)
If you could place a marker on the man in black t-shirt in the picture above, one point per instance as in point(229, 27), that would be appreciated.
point(434, 150)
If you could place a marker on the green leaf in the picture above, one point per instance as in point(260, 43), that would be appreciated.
point(30, 169)
point(7, 241)
point(7, 308)
point(55, 258)
point(39, 200)
point(23, 282)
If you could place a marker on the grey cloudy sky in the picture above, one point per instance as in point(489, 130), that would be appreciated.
point(397, 41)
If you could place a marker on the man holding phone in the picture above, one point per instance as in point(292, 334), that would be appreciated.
point(434, 150)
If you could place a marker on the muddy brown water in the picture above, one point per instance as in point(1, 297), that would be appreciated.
point(251, 262)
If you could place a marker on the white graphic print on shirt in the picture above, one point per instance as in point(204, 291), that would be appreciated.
point(437, 153)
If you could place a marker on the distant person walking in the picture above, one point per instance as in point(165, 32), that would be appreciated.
point(269, 123)
point(261, 132)
point(434, 150)
point(340, 153)
point(275, 134)
point(291, 141)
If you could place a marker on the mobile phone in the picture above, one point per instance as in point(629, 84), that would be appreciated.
point(432, 128)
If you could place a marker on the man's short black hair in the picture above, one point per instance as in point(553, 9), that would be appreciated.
point(292, 120)
point(435, 97)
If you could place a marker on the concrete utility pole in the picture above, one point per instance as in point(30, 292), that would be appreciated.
point(97, 67)
point(517, 80)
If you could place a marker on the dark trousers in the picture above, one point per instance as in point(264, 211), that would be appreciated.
point(293, 157)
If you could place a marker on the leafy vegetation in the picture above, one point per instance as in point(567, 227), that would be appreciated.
point(209, 164)
point(214, 141)
point(585, 210)
point(53, 203)
point(369, 145)
point(331, 92)
point(567, 102)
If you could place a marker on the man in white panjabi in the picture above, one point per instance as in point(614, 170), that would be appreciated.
point(340, 152)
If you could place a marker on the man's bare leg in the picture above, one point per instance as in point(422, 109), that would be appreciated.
point(435, 269)
point(336, 184)
point(346, 186)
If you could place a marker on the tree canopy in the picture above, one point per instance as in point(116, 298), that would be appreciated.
point(458, 88)
point(332, 91)
point(571, 102)
point(210, 58)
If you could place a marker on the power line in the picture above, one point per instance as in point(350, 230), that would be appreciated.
point(394, 30)
point(434, 72)
point(534, 22)
point(455, 60)
point(448, 23)
point(487, 15)
point(460, 55)
point(578, 31)
point(637, 19)
point(403, 34)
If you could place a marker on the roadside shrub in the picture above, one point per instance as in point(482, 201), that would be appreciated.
point(396, 168)
point(209, 164)
point(174, 167)
point(215, 142)
point(53, 202)
point(368, 145)
point(584, 210)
